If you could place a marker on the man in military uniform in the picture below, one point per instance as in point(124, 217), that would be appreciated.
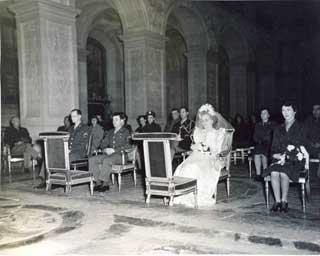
point(151, 125)
point(184, 129)
point(78, 140)
point(79, 137)
point(115, 140)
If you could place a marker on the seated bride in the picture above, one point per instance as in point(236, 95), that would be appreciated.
point(204, 164)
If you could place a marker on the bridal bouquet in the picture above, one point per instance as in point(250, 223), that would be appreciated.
point(294, 153)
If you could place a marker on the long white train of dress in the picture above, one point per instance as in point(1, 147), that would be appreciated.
point(204, 167)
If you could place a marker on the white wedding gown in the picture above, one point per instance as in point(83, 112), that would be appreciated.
point(204, 167)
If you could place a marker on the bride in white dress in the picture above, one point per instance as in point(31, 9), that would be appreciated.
point(204, 163)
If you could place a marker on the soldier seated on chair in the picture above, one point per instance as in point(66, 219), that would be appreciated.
point(78, 140)
point(151, 125)
point(19, 141)
point(115, 140)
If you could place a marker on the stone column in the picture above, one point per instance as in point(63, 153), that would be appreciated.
point(197, 76)
point(83, 83)
point(238, 89)
point(213, 79)
point(144, 57)
point(47, 55)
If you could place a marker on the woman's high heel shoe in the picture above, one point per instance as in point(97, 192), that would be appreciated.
point(276, 207)
point(284, 207)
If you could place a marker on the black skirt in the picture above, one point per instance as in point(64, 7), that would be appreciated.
point(292, 169)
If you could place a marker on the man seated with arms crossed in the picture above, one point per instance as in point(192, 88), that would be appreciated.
point(115, 140)
point(19, 141)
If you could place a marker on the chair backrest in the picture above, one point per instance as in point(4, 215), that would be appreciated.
point(89, 146)
point(157, 154)
point(227, 142)
point(56, 150)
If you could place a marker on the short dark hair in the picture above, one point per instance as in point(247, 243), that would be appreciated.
point(11, 119)
point(77, 110)
point(264, 108)
point(174, 109)
point(185, 108)
point(290, 103)
point(120, 114)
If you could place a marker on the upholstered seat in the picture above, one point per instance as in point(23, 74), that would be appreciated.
point(57, 163)
point(158, 167)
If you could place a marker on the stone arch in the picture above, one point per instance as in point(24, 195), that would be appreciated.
point(185, 18)
point(241, 77)
point(114, 69)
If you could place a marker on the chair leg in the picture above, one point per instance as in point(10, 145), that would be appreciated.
point(165, 201)
point(135, 177)
point(267, 193)
point(195, 194)
point(308, 190)
point(119, 181)
point(91, 187)
point(148, 198)
point(112, 178)
point(48, 186)
point(250, 167)
point(33, 172)
point(303, 197)
point(68, 189)
point(171, 200)
point(228, 187)
point(242, 156)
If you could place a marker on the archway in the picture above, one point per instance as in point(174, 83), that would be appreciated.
point(176, 70)
point(99, 28)
point(187, 33)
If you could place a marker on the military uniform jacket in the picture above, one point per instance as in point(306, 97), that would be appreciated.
point(185, 130)
point(118, 141)
point(78, 140)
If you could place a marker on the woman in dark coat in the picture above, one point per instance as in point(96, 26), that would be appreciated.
point(283, 170)
point(262, 138)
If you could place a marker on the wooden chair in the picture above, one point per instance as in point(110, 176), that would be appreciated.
point(225, 154)
point(8, 158)
point(57, 163)
point(243, 154)
point(304, 181)
point(126, 166)
point(158, 167)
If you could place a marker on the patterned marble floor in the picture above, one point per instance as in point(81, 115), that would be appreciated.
point(121, 223)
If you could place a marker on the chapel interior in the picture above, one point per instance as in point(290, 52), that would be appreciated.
point(134, 56)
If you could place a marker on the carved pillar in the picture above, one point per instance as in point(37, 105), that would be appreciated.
point(144, 56)
point(47, 55)
point(197, 76)
point(83, 83)
point(238, 89)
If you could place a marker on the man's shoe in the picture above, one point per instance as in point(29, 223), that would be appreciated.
point(97, 188)
point(41, 185)
point(104, 188)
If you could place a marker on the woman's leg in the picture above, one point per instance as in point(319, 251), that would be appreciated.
point(275, 181)
point(285, 181)
point(257, 163)
point(264, 161)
